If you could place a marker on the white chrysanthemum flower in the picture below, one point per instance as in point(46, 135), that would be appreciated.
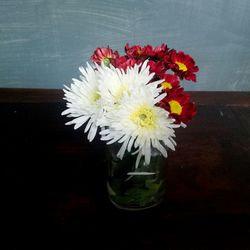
point(114, 83)
point(141, 125)
point(84, 101)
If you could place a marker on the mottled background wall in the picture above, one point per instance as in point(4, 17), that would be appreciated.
point(43, 42)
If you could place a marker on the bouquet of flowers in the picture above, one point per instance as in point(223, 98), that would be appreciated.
point(135, 99)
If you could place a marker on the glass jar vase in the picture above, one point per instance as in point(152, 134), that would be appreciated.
point(132, 188)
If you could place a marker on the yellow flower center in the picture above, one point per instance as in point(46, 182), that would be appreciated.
point(166, 85)
point(95, 96)
point(106, 61)
point(120, 92)
point(181, 66)
point(144, 117)
point(175, 107)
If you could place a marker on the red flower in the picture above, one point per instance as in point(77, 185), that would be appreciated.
point(170, 82)
point(105, 55)
point(159, 52)
point(158, 68)
point(178, 104)
point(123, 62)
point(183, 65)
point(138, 52)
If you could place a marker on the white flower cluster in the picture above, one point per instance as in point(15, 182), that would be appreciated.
point(122, 105)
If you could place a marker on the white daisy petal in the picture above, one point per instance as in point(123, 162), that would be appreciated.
point(161, 148)
point(89, 124)
point(80, 120)
point(122, 150)
point(147, 152)
point(138, 158)
point(92, 132)
point(130, 144)
point(169, 144)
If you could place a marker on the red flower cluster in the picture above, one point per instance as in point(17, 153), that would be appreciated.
point(165, 63)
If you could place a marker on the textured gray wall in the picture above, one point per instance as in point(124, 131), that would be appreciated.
point(43, 42)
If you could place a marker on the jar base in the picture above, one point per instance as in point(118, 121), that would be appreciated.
point(135, 208)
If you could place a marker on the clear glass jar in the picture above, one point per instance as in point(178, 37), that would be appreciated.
point(133, 188)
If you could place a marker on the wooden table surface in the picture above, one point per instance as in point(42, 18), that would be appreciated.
point(54, 180)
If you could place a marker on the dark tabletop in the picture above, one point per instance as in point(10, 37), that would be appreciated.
point(54, 180)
